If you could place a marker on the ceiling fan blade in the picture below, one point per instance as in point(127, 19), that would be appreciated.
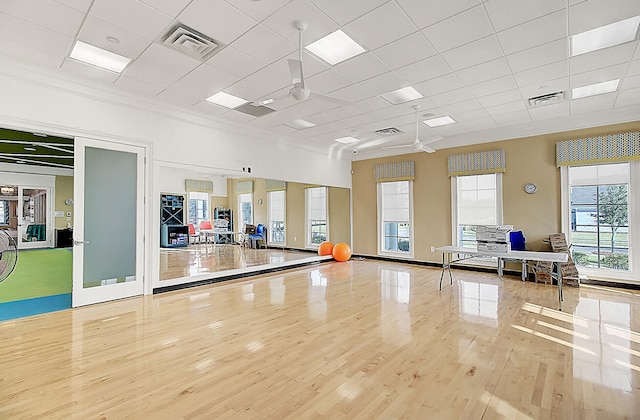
point(331, 98)
point(397, 147)
point(427, 149)
point(432, 140)
point(295, 69)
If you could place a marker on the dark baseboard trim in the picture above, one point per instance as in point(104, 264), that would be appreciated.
point(617, 285)
point(232, 277)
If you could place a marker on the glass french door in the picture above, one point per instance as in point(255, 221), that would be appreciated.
point(108, 260)
point(34, 217)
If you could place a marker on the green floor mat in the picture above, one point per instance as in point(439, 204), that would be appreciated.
point(39, 272)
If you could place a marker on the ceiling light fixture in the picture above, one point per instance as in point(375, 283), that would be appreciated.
point(226, 100)
point(595, 89)
point(113, 40)
point(347, 140)
point(98, 57)
point(300, 124)
point(605, 36)
point(401, 95)
point(30, 149)
point(335, 47)
point(440, 121)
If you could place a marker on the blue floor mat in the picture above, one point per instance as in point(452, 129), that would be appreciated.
point(35, 306)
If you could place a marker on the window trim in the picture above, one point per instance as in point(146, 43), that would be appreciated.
point(307, 224)
point(604, 274)
point(380, 224)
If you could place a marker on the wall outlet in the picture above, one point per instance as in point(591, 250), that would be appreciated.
point(433, 249)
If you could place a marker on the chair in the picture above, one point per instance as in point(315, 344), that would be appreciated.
point(205, 225)
point(193, 234)
point(260, 235)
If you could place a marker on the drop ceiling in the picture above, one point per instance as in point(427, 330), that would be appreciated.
point(476, 61)
point(35, 149)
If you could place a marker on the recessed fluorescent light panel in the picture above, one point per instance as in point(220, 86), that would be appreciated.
point(437, 122)
point(595, 89)
point(98, 57)
point(335, 47)
point(401, 95)
point(300, 124)
point(226, 100)
point(347, 140)
point(605, 36)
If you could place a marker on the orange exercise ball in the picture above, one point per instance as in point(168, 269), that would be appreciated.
point(341, 252)
point(325, 248)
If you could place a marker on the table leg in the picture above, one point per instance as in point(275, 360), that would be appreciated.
point(442, 273)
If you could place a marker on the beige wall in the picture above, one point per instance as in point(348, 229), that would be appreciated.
point(294, 225)
point(64, 190)
point(529, 159)
point(339, 215)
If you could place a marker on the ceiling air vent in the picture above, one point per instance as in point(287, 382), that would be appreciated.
point(546, 99)
point(190, 42)
point(390, 131)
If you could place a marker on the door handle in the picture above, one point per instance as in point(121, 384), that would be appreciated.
point(76, 242)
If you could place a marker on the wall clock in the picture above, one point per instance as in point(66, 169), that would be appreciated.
point(530, 188)
point(68, 201)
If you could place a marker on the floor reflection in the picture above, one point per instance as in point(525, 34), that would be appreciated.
point(479, 302)
point(395, 318)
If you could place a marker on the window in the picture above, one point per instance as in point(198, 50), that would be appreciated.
point(477, 200)
point(198, 207)
point(276, 216)
point(395, 203)
point(599, 204)
point(245, 206)
point(316, 205)
point(4, 212)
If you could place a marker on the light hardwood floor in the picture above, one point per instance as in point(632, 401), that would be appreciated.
point(353, 340)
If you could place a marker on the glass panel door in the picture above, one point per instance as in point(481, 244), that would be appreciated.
point(34, 226)
point(109, 223)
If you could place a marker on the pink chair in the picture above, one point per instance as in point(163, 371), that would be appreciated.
point(193, 234)
point(205, 225)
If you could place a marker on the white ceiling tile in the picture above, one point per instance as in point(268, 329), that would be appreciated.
point(334, 114)
point(480, 51)
point(601, 58)
point(95, 32)
point(343, 15)
point(634, 68)
point(372, 104)
point(318, 24)
point(539, 56)
point(594, 13)
point(547, 112)
point(139, 87)
point(258, 10)
point(531, 34)
point(628, 97)
point(463, 107)
point(486, 71)
point(327, 81)
point(597, 76)
point(367, 29)
point(265, 45)
point(450, 130)
point(268, 79)
point(202, 82)
point(476, 114)
point(234, 61)
point(480, 124)
point(512, 118)
point(238, 116)
point(160, 66)
point(81, 5)
point(439, 85)
point(312, 64)
point(10, 49)
point(34, 36)
point(596, 103)
point(384, 83)
point(47, 14)
point(427, 12)
point(636, 56)
point(352, 93)
point(451, 97)
point(426, 69)
point(217, 19)
point(500, 98)
point(88, 72)
point(169, 7)
point(362, 67)
point(501, 84)
point(406, 50)
point(460, 29)
point(508, 13)
point(631, 82)
point(539, 75)
point(139, 18)
point(506, 108)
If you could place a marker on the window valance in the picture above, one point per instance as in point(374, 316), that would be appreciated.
point(244, 187)
point(276, 185)
point(478, 163)
point(397, 171)
point(621, 147)
point(197, 185)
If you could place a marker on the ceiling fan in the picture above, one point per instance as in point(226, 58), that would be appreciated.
point(300, 92)
point(417, 145)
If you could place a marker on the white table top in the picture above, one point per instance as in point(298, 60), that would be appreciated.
point(560, 257)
